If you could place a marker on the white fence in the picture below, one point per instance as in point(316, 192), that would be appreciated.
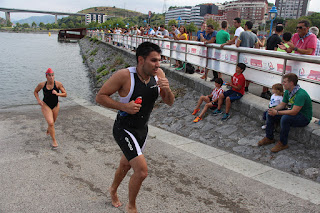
point(263, 67)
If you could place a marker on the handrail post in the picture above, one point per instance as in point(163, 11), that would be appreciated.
point(185, 58)
point(206, 68)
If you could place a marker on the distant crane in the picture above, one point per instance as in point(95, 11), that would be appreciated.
point(164, 9)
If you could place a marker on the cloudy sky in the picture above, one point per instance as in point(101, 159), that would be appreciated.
point(76, 5)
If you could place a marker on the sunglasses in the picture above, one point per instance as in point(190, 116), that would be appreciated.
point(300, 27)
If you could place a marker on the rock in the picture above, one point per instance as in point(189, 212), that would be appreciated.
point(251, 141)
point(283, 162)
point(312, 173)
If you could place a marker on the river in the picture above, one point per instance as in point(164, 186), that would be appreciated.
point(24, 59)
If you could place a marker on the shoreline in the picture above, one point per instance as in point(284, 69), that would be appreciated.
point(27, 31)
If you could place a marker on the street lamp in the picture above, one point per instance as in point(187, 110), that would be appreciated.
point(179, 19)
point(273, 14)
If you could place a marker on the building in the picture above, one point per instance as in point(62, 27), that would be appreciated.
point(292, 8)
point(175, 13)
point(251, 10)
point(96, 17)
point(191, 14)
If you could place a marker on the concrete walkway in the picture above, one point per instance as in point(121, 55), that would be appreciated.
point(184, 176)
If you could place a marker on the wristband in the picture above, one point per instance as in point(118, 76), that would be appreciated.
point(295, 49)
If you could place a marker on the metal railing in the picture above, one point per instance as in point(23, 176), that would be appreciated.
point(264, 67)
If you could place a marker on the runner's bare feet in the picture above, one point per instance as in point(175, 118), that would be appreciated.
point(114, 198)
point(54, 144)
point(131, 210)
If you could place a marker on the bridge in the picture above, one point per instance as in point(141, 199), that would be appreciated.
point(13, 10)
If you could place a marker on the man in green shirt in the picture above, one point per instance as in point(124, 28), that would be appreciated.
point(223, 36)
point(298, 114)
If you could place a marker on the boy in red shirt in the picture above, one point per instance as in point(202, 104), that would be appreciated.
point(238, 84)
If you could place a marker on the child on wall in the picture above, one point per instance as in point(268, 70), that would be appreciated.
point(211, 100)
point(275, 100)
point(238, 85)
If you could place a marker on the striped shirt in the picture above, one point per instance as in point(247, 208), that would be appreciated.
point(216, 92)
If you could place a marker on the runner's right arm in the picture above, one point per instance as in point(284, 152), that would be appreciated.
point(118, 82)
point(36, 91)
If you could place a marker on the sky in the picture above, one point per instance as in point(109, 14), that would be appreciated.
point(136, 5)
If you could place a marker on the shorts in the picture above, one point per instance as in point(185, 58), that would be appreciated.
point(131, 141)
point(214, 104)
point(233, 95)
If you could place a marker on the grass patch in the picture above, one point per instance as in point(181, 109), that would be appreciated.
point(92, 60)
point(105, 72)
point(94, 52)
point(119, 60)
point(84, 58)
point(126, 65)
point(113, 70)
point(100, 69)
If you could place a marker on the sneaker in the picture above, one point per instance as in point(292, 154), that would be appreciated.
point(268, 95)
point(195, 111)
point(225, 116)
point(264, 95)
point(212, 79)
point(265, 141)
point(202, 71)
point(216, 112)
point(279, 146)
point(197, 119)
point(179, 68)
point(264, 127)
point(203, 77)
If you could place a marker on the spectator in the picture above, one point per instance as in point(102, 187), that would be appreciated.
point(211, 100)
point(165, 33)
point(298, 114)
point(315, 30)
point(274, 40)
point(203, 32)
point(286, 38)
point(303, 42)
point(239, 30)
point(237, 83)
point(248, 39)
point(275, 100)
point(181, 36)
point(158, 32)
point(174, 31)
point(210, 37)
point(150, 31)
point(222, 37)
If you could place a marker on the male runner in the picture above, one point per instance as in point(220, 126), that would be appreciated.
point(130, 129)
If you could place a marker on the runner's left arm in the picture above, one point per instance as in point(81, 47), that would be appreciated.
point(63, 92)
point(165, 91)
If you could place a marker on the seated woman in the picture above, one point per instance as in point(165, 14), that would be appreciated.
point(211, 100)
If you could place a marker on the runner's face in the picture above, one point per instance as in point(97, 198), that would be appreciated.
point(50, 76)
point(151, 63)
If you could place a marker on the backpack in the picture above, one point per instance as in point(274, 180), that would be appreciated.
point(189, 68)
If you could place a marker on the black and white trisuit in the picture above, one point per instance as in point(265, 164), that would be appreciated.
point(130, 131)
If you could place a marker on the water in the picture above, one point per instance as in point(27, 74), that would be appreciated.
point(24, 59)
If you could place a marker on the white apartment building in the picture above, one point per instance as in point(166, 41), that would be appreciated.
point(195, 16)
point(292, 8)
point(182, 12)
point(96, 17)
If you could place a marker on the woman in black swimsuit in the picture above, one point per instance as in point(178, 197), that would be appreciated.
point(50, 105)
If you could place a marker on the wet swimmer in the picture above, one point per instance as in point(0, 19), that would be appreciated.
point(50, 105)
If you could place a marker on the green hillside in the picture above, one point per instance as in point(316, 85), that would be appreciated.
point(112, 11)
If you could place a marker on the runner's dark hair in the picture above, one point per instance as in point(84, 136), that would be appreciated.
point(145, 48)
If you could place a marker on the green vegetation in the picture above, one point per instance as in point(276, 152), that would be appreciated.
point(84, 58)
point(92, 60)
point(104, 73)
point(101, 68)
point(94, 52)
point(119, 60)
point(126, 65)
point(113, 70)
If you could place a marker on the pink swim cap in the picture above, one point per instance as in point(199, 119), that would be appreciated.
point(49, 70)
